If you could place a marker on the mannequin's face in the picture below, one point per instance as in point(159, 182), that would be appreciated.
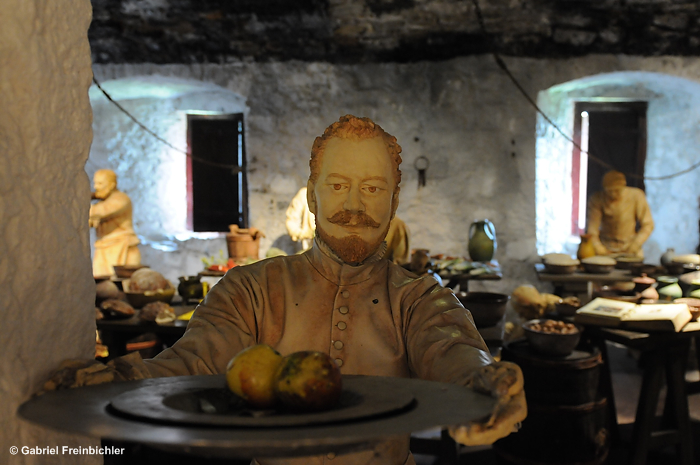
point(353, 196)
point(613, 194)
point(103, 185)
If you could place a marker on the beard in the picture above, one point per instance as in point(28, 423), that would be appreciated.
point(353, 250)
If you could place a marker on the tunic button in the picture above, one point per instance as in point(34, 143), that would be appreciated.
point(343, 310)
point(342, 325)
point(339, 362)
point(331, 455)
point(338, 344)
point(345, 294)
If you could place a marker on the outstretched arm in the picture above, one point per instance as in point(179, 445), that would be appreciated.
point(444, 345)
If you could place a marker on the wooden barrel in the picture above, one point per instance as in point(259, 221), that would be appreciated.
point(567, 419)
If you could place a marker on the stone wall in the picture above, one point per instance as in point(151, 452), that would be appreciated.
point(45, 273)
point(464, 115)
point(360, 31)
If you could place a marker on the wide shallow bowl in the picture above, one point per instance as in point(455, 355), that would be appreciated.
point(551, 344)
point(555, 268)
point(687, 258)
point(626, 262)
point(638, 269)
point(139, 299)
point(125, 271)
point(555, 257)
point(487, 308)
point(598, 265)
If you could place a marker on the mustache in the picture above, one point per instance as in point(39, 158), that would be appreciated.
point(347, 218)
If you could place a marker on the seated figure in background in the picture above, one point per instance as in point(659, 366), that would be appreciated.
point(117, 243)
point(397, 244)
point(300, 222)
point(619, 218)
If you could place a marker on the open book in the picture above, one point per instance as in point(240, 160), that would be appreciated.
point(628, 315)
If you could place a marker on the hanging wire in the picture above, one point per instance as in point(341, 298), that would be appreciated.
point(501, 64)
point(233, 168)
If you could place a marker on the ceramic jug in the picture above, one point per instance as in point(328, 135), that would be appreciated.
point(190, 288)
point(585, 249)
point(482, 241)
point(667, 256)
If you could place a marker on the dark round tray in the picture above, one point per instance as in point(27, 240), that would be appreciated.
point(209, 402)
point(87, 411)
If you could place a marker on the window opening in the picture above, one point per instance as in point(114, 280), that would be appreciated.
point(614, 132)
point(216, 196)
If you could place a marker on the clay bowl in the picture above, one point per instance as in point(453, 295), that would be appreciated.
point(639, 269)
point(551, 344)
point(683, 264)
point(139, 299)
point(554, 257)
point(487, 308)
point(125, 271)
point(598, 265)
point(627, 262)
point(555, 268)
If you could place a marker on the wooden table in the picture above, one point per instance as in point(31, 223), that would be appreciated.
point(660, 352)
point(115, 333)
point(462, 279)
point(580, 283)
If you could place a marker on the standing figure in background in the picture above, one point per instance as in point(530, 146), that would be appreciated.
point(301, 223)
point(397, 245)
point(619, 218)
point(117, 243)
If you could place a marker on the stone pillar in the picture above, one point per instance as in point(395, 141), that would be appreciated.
point(46, 287)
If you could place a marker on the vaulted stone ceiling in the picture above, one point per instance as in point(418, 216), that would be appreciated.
point(348, 31)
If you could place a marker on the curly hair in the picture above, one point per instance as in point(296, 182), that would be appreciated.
point(354, 128)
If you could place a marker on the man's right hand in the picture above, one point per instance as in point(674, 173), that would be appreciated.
point(76, 373)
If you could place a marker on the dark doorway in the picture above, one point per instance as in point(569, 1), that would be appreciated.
point(614, 132)
point(217, 191)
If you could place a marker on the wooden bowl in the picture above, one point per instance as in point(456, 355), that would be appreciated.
point(139, 299)
point(552, 344)
point(555, 268)
point(125, 271)
point(598, 265)
point(627, 262)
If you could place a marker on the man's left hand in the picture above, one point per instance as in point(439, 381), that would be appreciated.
point(504, 381)
point(633, 248)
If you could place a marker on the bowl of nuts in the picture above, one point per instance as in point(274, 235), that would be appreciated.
point(552, 337)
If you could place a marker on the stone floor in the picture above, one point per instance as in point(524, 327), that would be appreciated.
point(626, 385)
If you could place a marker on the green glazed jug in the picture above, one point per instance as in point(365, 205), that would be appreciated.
point(482, 241)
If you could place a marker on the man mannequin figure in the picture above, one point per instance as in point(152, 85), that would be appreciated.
point(116, 242)
point(343, 298)
point(619, 218)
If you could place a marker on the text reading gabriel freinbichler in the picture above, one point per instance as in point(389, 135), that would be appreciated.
point(65, 450)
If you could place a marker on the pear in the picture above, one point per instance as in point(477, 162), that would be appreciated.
point(251, 375)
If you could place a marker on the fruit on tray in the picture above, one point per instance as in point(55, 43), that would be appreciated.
point(308, 381)
point(251, 375)
point(305, 381)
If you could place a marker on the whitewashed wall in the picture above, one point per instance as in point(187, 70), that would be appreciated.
point(45, 274)
point(464, 115)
